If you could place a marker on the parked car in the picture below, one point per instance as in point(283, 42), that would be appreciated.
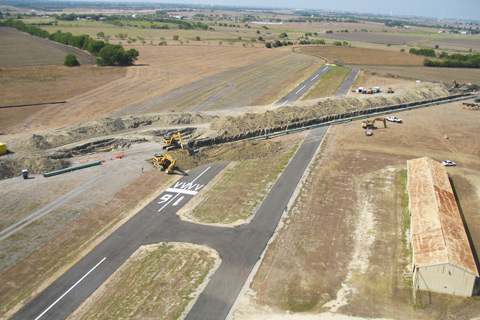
point(448, 163)
point(394, 119)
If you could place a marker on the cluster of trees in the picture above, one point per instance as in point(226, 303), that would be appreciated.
point(316, 41)
point(339, 43)
point(108, 54)
point(278, 43)
point(423, 52)
point(456, 60)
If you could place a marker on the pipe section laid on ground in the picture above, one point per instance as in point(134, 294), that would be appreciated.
point(54, 173)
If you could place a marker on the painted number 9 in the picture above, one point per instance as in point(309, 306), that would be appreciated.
point(165, 198)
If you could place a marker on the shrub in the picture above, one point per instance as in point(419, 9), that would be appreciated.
point(71, 61)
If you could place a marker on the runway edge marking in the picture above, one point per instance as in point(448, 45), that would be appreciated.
point(71, 288)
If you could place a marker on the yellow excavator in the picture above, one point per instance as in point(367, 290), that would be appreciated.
point(164, 162)
point(174, 141)
point(455, 84)
point(368, 124)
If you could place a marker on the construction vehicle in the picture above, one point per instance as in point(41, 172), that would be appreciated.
point(163, 162)
point(390, 90)
point(174, 141)
point(369, 124)
point(455, 84)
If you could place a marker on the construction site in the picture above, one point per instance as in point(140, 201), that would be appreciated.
point(379, 192)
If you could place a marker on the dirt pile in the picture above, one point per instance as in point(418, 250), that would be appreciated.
point(241, 150)
point(108, 126)
point(36, 165)
point(232, 126)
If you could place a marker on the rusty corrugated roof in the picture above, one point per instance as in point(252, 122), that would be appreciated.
point(438, 233)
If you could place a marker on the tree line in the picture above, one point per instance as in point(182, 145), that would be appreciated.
point(423, 52)
point(108, 54)
point(456, 60)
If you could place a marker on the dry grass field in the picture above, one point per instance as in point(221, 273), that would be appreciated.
point(138, 290)
point(18, 49)
point(363, 56)
point(376, 37)
point(43, 84)
point(446, 75)
point(163, 74)
point(342, 247)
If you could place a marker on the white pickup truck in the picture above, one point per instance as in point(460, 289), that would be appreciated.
point(394, 119)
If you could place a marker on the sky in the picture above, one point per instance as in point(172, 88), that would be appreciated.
point(460, 9)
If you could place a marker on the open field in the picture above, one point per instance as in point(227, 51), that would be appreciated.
point(375, 37)
point(18, 49)
point(454, 44)
point(447, 75)
point(348, 224)
point(365, 56)
point(41, 84)
point(181, 79)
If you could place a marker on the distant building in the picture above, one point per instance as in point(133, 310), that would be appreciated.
point(442, 258)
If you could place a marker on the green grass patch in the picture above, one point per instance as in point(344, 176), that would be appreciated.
point(242, 190)
point(329, 83)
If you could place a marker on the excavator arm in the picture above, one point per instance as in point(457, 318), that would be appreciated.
point(370, 123)
point(174, 141)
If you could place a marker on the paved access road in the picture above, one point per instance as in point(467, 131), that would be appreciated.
point(300, 90)
point(240, 248)
point(347, 84)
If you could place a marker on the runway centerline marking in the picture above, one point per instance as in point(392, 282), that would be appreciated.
point(71, 288)
point(284, 102)
point(325, 68)
point(300, 89)
point(315, 77)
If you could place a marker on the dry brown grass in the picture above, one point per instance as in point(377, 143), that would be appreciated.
point(40, 84)
point(162, 70)
point(347, 229)
point(446, 75)
point(351, 55)
point(225, 203)
point(40, 268)
point(141, 289)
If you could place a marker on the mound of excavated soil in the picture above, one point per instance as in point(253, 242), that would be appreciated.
point(231, 126)
point(104, 127)
point(36, 165)
point(241, 150)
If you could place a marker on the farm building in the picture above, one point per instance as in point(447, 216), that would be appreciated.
point(442, 257)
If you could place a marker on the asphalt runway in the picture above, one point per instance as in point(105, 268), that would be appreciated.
point(347, 84)
point(302, 88)
point(240, 248)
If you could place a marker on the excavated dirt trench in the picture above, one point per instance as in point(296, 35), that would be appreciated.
point(52, 151)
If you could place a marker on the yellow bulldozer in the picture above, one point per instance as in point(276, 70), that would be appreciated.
point(368, 124)
point(164, 162)
point(173, 141)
